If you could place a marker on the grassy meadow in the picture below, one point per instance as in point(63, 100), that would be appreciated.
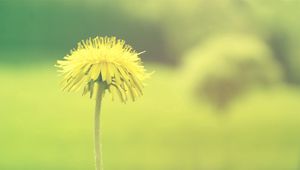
point(43, 128)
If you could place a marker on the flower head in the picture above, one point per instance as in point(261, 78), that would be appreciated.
point(106, 62)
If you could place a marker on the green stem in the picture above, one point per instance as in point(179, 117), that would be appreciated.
point(98, 152)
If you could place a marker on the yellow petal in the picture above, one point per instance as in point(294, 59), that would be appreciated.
point(95, 71)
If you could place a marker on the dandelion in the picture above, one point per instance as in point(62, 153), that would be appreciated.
point(103, 64)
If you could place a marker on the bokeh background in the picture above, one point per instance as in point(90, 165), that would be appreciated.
point(225, 94)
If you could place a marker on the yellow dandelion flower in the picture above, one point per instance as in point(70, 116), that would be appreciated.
point(106, 62)
point(101, 64)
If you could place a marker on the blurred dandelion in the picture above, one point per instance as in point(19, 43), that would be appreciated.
point(103, 64)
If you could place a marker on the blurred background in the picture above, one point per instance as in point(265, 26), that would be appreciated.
point(225, 94)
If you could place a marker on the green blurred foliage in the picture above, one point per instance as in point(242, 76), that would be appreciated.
point(185, 23)
point(277, 22)
point(188, 22)
point(34, 26)
point(169, 28)
point(224, 67)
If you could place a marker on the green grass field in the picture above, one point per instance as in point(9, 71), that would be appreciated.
point(43, 128)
